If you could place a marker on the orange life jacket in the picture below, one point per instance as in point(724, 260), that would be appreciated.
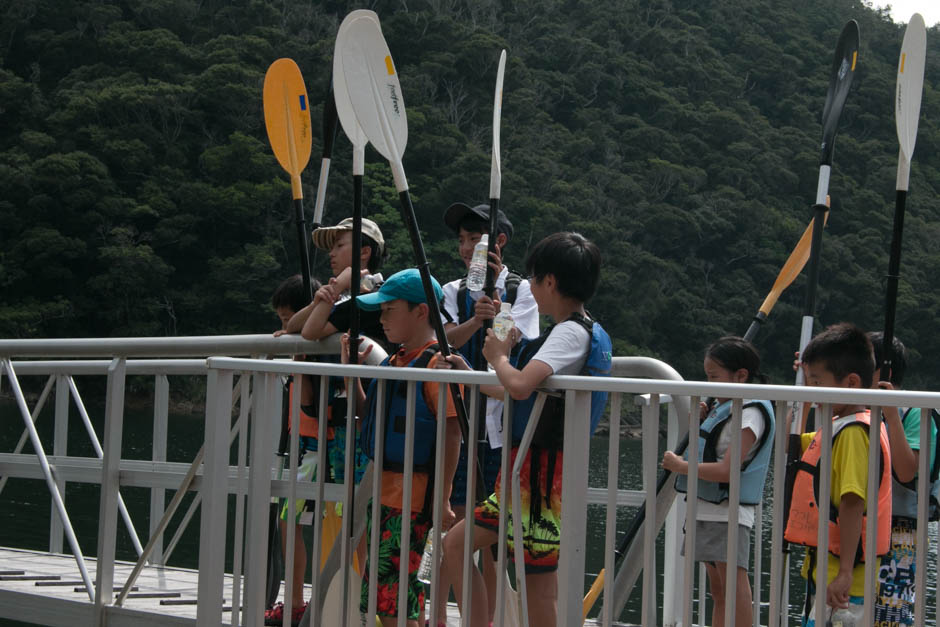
point(803, 522)
point(309, 426)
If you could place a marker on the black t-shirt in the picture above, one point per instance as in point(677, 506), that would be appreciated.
point(369, 323)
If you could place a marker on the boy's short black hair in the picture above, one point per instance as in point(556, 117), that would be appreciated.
point(290, 293)
point(898, 361)
point(572, 259)
point(843, 349)
point(376, 257)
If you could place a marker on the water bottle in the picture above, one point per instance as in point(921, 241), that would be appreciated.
point(843, 618)
point(476, 276)
point(424, 570)
point(503, 323)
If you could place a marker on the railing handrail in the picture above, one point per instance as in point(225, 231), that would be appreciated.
point(704, 389)
point(183, 346)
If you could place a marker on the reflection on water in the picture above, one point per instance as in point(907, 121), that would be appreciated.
point(25, 507)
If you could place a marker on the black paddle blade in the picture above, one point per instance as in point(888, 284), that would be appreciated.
point(330, 118)
point(840, 81)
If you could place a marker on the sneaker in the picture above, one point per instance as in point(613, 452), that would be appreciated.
point(275, 615)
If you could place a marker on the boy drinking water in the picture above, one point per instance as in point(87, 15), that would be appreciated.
point(564, 270)
point(840, 357)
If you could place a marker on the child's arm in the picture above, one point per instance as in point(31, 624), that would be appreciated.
point(460, 334)
point(903, 458)
point(456, 362)
point(851, 508)
point(296, 322)
point(317, 325)
point(720, 471)
point(519, 383)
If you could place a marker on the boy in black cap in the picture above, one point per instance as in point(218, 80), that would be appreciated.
point(465, 312)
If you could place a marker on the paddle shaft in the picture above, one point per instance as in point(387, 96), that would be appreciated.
point(434, 315)
point(302, 245)
point(891, 289)
point(330, 127)
point(354, 281)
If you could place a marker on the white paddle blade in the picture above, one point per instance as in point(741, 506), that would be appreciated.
point(344, 109)
point(910, 85)
point(496, 175)
point(374, 89)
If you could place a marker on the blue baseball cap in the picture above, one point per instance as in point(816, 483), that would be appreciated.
point(405, 285)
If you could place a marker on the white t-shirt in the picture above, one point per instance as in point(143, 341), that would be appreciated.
point(751, 418)
point(566, 348)
point(525, 315)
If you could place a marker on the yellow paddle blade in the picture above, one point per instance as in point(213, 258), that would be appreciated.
point(287, 116)
point(792, 268)
point(332, 527)
point(591, 597)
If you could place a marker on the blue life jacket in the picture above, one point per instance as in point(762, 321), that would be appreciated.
point(753, 471)
point(396, 407)
point(550, 432)
point(904, 495)
point(465, 303)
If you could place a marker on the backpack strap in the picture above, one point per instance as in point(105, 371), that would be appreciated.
point(512, 287)
point(463, 307)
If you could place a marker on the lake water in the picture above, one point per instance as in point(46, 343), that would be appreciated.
point(25, 505)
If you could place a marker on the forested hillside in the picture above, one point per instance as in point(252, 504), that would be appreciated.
point(139, 196)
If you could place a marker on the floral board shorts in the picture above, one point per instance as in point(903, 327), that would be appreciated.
point(540, 482)
point(307, 470)
point(389, 554)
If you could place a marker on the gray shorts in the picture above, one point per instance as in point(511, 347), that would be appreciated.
point(711, 543)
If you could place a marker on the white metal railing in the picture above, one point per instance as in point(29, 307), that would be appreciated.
point(252, 484)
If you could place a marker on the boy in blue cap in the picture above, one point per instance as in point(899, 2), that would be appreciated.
point(405, 321)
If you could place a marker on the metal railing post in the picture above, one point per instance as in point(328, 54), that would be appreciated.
point(265, 411)
point(214, 498)
point(110, 486)
point(60, 444)
point(574, 483)
point(672, 561)
point(161, 408)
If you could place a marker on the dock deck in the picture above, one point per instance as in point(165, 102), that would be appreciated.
point(45, 588)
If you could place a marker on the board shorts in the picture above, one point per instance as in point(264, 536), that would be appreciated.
point(307, 471)
point(491, 462)
point(389, 554)
point(541, 509)
point(894, 604)
point(711, 543)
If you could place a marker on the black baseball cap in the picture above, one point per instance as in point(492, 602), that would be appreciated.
point(458, 211)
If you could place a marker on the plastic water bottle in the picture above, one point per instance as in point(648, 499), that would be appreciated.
point(424, 570)
point(503, 322)
point(843, 618)
point(476, 276)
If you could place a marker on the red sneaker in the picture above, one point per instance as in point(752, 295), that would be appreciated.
point(275, 615)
